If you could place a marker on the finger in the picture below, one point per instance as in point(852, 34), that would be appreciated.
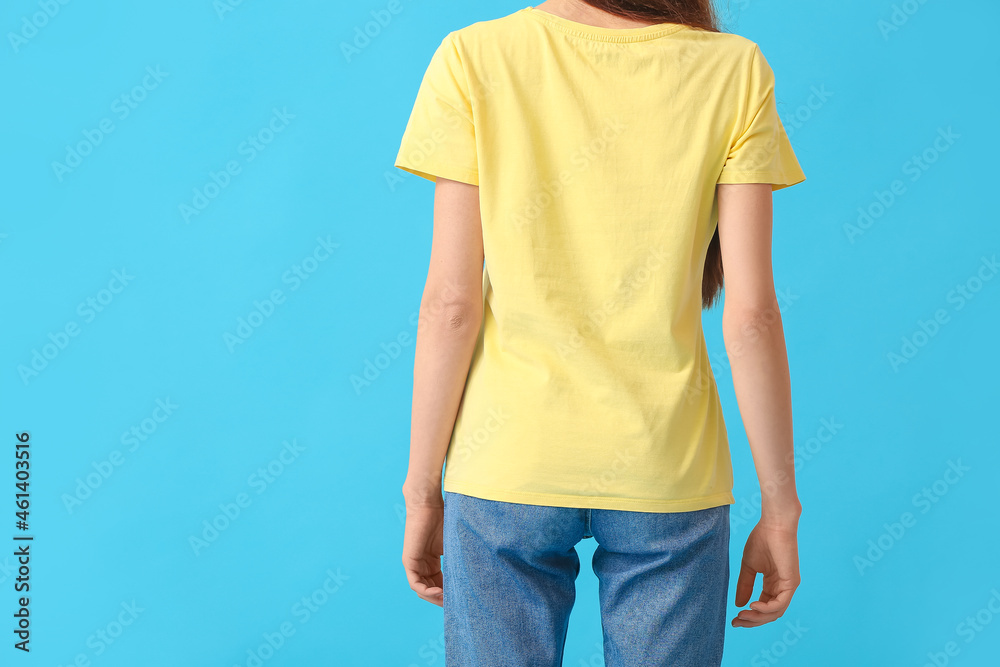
point(756, 617)
point(423, 589)
point(420, 584)
point(434, 599)
point(432, 594)
point(740, 623)
point(744, 585)
point(776, 603)
point(749, 619)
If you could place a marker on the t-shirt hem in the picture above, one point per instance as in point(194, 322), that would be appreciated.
point(589, 502)
point(776, 180)
point(434, 170)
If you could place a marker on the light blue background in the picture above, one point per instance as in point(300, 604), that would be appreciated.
point(328, 174)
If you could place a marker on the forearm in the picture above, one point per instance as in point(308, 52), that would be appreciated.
point(445, 342)
point(755, 344)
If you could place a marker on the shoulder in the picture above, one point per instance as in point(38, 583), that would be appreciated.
point(725, 52)
point(488, 30)
point(726, 44)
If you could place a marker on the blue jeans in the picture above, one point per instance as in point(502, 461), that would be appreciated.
point(509, 573)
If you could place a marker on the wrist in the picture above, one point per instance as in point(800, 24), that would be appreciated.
point(422, 490)
point(781, 513)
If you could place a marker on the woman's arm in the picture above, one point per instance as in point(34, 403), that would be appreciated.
point(451, 313)
point(755, 344)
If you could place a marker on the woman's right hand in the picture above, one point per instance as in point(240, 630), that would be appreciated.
point(422, 550)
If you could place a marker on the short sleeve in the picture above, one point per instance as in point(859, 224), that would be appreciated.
point(440, 137)
point(761, 152)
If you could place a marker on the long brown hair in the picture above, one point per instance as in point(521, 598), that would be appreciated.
point(697, 14)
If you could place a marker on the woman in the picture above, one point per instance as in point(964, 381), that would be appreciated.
point(598, 165)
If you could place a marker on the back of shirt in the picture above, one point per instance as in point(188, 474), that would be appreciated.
point(597, 152)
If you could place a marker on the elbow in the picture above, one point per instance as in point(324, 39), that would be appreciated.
point(462, 318)
point(743, 324)
point(451, 316)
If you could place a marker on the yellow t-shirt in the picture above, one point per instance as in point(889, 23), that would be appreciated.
point(596, 152)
